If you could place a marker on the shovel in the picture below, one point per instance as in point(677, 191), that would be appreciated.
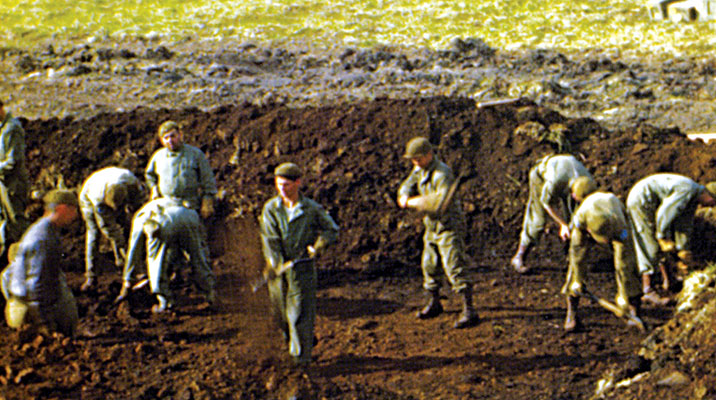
point(619, 312)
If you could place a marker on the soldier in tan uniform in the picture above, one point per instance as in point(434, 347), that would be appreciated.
point(601, 219)
point(661, 208)
point(443, 241)
point(550, 183)
point(103, 198)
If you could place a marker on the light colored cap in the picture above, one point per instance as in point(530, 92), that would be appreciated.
point(583, 187)
point(61, 196)
point(711, 188)
point(417, 147)
point(167, 126)
point(288, 170)
point(115, 195)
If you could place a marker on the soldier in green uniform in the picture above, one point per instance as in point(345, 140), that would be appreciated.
point(294, 230)
point(14, 179)
point(601, 219)
point(661, 208)
point(550, 182)
point(443, 241)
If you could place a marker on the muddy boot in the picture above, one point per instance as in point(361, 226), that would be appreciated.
point(650, 295)
point(571, 322)
point(123, 292)
point(518, 262)
point(634, 311)
point(468, 317)
point(684, 263)
point(89, 282)
point(433, 308)
point(163, 304)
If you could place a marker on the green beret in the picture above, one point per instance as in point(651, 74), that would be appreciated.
point(61, 196)
point(166, 127)
point(583, 187)
point(288, 170)
point(417, 147)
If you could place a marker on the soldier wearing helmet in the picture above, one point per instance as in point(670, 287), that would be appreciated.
point(551, 181)
point(443, 240)
point(601, 218)
point(661, 208)
point(103, 198)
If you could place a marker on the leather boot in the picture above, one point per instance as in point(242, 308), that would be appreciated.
point(123, 292)
point(89, 282)
point(468, 317)
point(433, 308)
point(650, 295)
point(518, 262)
point(571, 322)
point(634, 311)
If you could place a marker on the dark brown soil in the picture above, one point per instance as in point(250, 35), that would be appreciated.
point(370, 345)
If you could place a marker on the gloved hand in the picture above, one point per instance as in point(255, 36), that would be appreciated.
point(317, 248)
point(666, 245)
point(207, 207)
point(685, 256)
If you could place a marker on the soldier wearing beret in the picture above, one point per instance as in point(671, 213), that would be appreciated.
point(294, 231)
point(103, 198)
point(181, 172)
point(661, 208)
point(36, 286)
point(551, 182)
point(14, 179)
point(423, 190)
point(601, 219)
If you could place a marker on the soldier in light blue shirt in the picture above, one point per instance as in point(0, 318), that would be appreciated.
point(35, 286)
point(551, 183)
point(181, 172)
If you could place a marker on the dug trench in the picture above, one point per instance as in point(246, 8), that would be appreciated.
point(370, 345)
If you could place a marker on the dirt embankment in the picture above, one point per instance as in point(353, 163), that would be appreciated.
point(370, 345)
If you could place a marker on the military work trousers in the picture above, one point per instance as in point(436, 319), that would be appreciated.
point(62, 316)
point(96, 222)
point(645, 241)
point(628, 283)
point(293, 302)
point(161, 254)
point(536, 215)
point(445, 248)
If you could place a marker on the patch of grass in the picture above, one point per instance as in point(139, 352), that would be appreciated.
point(562, 24)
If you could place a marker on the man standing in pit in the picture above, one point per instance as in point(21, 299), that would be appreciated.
point(181, 172)
point(601, 219)
point(14, 179)
point(103, 198)
point(551, 181)
point(661, 208)
point(294, 231)
point(36, 288)
point(443, 241)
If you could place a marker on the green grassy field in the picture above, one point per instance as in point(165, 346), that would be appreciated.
point(507, 24)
